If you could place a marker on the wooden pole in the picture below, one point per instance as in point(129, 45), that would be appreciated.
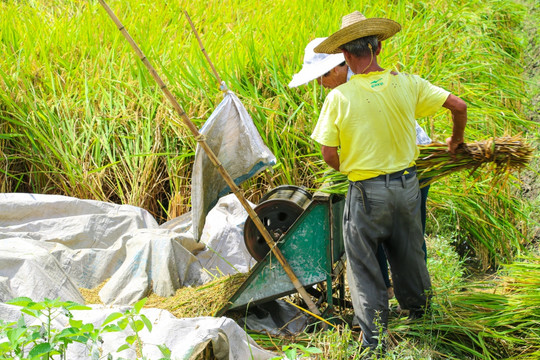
point(222, 85)
point(200, 138)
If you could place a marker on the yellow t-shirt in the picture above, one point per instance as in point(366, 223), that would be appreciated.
point(372, 119)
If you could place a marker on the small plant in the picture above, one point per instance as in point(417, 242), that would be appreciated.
point(136, 322)
point(297, 351)
point(42, 341)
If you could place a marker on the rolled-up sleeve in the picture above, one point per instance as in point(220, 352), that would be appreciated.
point(430, 98)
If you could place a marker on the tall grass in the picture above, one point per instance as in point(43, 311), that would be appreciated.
point(498, 318)
point(495, 318)
point(81, 116)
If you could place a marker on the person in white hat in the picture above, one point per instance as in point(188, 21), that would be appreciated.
point(330, 70)
point(366, 129)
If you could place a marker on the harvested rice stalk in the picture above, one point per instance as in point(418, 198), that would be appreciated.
point(493, 319)
point(505, 153)
point(205, 300)
point(91, 296)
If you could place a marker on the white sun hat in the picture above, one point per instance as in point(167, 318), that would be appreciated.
point(315, 65)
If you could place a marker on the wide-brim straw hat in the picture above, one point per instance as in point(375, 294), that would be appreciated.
point(315, 65)
point(355, 26)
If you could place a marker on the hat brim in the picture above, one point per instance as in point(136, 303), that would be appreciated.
point(311, 72)
point(382, 28)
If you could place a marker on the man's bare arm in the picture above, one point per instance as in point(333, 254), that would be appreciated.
point(458, 108)
point(331, 156)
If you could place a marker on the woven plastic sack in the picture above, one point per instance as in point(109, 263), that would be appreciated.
point(234, 139)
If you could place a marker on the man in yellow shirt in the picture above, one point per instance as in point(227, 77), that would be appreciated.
point(330, 71)
point(367, 130)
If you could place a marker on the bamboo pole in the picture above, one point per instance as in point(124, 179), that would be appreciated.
point(200, 138)
point(222, 85)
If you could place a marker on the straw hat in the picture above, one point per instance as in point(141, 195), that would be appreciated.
point(355, 26)
point(315, 65)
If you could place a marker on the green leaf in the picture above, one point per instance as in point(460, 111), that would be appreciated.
point(123, 323)
point(71, 305)
point(68, 332)
point(146, 322)
point(131, 339)
point(20, 322)
point(40, 349)
point(87, 327)
point(33, 313)
point(164, 350)
point(5, 347)
point(112, 317)
point(290, 354)
point(137, 325)
point(15, 334)
point(122, 348)
point(20, 301)
point(313, 350)
point(75, 323)
point(110, 328)
point(139, 305)
point(36, 334)
point(36, 306)
point(83, 339)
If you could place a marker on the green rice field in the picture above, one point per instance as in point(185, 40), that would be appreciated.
point(81, 116)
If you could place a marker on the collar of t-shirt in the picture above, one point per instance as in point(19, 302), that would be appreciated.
point(349, 74)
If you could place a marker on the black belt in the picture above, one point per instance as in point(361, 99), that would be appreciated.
point(411, 171)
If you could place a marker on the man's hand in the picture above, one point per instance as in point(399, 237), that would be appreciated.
point(453, 145)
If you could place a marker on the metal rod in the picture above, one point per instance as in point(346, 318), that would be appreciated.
point(200, 138)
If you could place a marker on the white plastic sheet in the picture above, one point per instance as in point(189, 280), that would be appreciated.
point(156, 261)
point(168, 258)
point(234, 139)
point(50, 246)
point(225, 252)
point(186, 338)
point(27, 268)
point(129, 249)
point(86, 237)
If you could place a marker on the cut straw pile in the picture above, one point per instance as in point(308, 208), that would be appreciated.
point(504, 154)
point(205, 300)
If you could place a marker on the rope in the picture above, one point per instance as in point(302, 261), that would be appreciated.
point(200, 138)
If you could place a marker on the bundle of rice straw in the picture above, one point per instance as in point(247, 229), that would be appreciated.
point(205, 300)
point(505, 154)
